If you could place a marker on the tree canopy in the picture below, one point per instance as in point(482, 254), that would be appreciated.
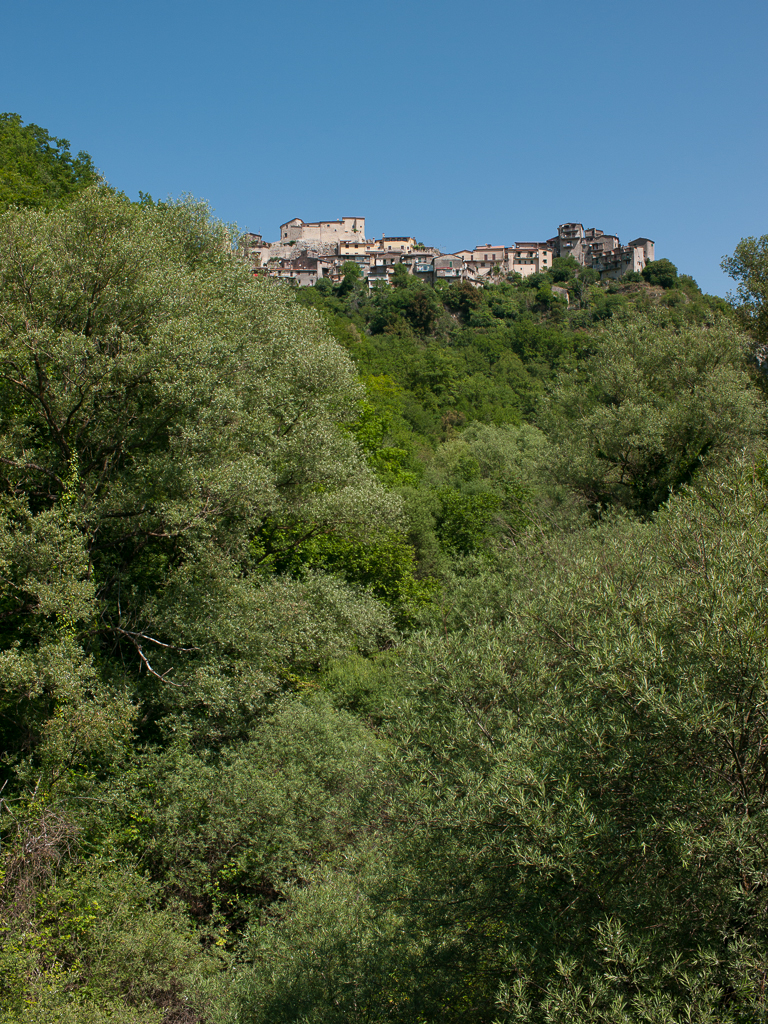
point(749, 268)
point(36, 169)
point(661, 272)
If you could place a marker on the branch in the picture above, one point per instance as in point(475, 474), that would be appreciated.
point(32, 465)
point(132, 637)
point(144, 636)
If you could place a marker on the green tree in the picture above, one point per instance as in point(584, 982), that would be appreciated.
point(163, 415)
point(400, 276)
point(565, 268)
point(462, 297)
point(36, 169)
point(589, 275)
point(660, 272)
point(163, 418)
point(749, 268)
point(652, 402)
point(351, 276)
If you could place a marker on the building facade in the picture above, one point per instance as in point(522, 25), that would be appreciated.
point(346, 229)
point(526, 258)
point(326, 245)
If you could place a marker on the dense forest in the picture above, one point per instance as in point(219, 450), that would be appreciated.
point(372, 656)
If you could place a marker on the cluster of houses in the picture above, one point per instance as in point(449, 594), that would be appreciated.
point(309, 251)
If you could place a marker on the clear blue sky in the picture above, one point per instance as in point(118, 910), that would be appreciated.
point(461, 122)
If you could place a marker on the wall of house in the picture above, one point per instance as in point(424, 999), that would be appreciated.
point(529, 259)
point(648, 247)
point(348, 228)
point(396, 243)
point(570, 239)
point(348, 248)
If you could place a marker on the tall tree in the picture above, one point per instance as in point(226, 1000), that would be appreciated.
point(169, 430)
point(164, 417)
point(749, 268)
point(36, 169)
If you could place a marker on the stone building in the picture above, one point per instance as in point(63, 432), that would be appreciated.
point(362, 259)
point(357, 247)
point(604, 253)
point(346, 229)
point(421, 264)
point(648, 247)
point(484, 260)
point(324, 246)
point(303, 270)
point(382, 267)
point(570, 237)
point(592, 242)
point(396, 243)
point(449, 268)
point(597, 242)
point(526, 258)
point(615, 263)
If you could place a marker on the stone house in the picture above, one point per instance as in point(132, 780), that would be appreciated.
point(526, 258)
point(449, 268)
point(303, 271)
point(421, 264)
point(648, 247)
point(346, 229)
point(569, 237)
point(357, 247)
point(617, 262)
point(484, 260)
point(382, 267)
point(396, 243)
point(604, 253)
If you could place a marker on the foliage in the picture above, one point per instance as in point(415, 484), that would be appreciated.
point(164, 418)
point(230, 834)
point(390, 655)
point(90, 940)
point(564, 268)
point(749, 268)
point(649, 406)
point(589, 275)
point(351, 276)
point(172, 409)
point(36, 169)
point(583, 799)
point(660, 272)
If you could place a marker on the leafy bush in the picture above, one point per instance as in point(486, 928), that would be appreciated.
point(660, 272)
point(564, 268)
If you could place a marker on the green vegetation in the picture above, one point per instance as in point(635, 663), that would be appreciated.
point(749, 268)
point(37, 170)
point(393, 656)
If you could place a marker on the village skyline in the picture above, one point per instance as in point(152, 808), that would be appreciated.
point(307, 251)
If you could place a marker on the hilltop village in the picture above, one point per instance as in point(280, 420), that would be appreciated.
point(308, 251)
